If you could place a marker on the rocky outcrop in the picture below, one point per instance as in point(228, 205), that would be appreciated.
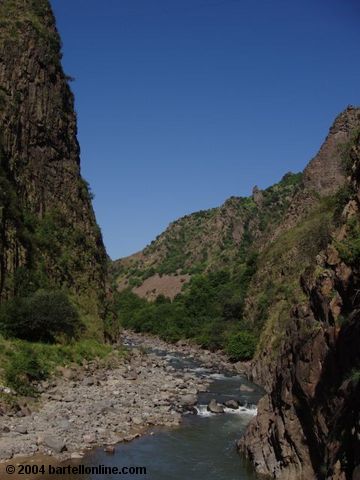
point(49, 235)
point(325, 173)
point(308, 425)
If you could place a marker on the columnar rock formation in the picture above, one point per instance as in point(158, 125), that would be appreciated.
point(49, 236)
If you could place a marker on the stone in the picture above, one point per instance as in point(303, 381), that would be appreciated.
point(64, 424)
point(110, 449)
point(21, 429)
point(215, 407)
point(88, 382)
point(137, 421)
point(246, 388)
point(67, 373)
point(234, 404)
point(188, 400)
point(55, 444)
point(76, 455)
point(89, 438)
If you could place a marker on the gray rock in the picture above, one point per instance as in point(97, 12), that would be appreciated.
point(215, 407)
point(109, 449)
point(76, 455)
point(234, 404)
point(88, 382)
point(89, 438)
point(137, 421)
point(188, 400)
point(21, 429)
point(55, 444)
point(246, 388)
point(64, 425)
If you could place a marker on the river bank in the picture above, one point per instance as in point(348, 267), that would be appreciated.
point(213, 360)
point(91, 406)
point(201, 445)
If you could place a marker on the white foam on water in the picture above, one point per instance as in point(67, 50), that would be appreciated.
point(218, 376)
point(170, 357)
point(202, 411)
point(251, 410)
point(199, 369)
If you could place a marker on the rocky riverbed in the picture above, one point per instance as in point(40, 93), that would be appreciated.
point(216, 361)
point(83, 408)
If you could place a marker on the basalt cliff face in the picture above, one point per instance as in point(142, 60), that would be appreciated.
point(49, 236)
point(308, 425)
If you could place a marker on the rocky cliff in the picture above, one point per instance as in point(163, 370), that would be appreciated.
point(285, 226)
point(308, 425)
point(49, 236)
point(300, 300)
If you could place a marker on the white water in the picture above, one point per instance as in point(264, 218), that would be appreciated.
point(202, 411)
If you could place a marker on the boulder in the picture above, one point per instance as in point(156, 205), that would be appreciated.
point(76, 455)
point(64, 425)
point(55, 444)
point(109, 449)
point(137, 421)
point(215, 407)
point(188, 400)
point(21, 429)
point(234, 404)
point(88, 382)
point(246, 388)
point(89, 438)
point(67, 373)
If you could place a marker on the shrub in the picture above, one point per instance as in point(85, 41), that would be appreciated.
point(22, 369)
point(349, 248)
point(42, 317)
point(241, 346)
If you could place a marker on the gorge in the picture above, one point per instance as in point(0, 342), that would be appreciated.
point(266, 286)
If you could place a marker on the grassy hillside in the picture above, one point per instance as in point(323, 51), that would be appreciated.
point(245, 258)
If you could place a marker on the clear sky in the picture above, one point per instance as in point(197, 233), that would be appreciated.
point(183, 103)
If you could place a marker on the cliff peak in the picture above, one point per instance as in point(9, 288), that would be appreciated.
point(325, 173)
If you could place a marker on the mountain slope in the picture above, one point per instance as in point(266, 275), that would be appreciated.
point(275, 276)
point(49, 237)
point(308, 425)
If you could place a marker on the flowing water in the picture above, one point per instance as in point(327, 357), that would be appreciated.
point(201, 448)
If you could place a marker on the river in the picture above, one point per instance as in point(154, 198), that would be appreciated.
point(201, 448)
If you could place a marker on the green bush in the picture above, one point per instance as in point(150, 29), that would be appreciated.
point(349, 248)
point(241, 346)
point(23, 369)
point(42, 317)
point(24, 363)
point(210, 307)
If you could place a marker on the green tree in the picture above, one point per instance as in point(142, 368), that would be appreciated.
point(44, 316)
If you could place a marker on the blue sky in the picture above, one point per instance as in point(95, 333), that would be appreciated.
point(183, 103)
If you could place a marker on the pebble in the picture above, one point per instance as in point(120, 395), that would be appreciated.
point(101, 406)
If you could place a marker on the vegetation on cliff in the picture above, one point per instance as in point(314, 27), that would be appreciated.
point(312, 406)
point(245, 258)
point(209, 311)
point(53, 264)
